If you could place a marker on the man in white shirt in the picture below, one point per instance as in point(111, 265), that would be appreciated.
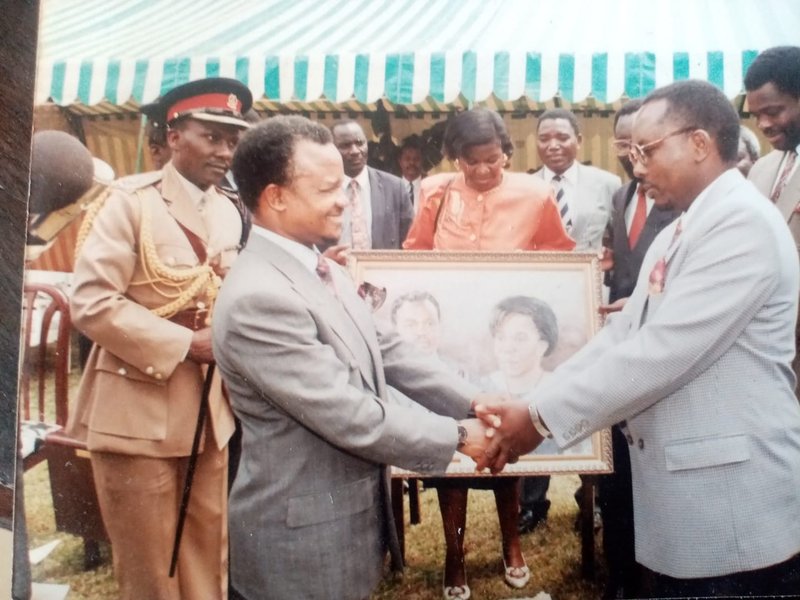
point(583, 192)
point(409, 159)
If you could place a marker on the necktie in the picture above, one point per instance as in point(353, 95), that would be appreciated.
point(781, 183)
point(659, 273)
point(358, 225)
point(563, 205)
point(639, 218)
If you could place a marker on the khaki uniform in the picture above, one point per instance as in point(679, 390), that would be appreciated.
point(139, 397)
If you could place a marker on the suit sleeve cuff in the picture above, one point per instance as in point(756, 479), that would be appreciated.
point(537, 422)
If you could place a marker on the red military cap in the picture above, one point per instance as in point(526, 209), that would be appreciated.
point(217, 99)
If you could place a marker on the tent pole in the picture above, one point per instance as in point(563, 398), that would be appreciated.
point(140, 144)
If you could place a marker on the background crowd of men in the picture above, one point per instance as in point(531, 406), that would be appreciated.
point(168, 283)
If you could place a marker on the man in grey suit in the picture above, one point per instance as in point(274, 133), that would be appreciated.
point(773, 98)
point(383, 200)
point(583, 192)
point(698, 365)
point(635, 222)
point(307, 374)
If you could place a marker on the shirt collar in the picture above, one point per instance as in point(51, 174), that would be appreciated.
point(701, 197)
point(362, 179)
point(570, 175)
point(308, 257)
point(194, 192)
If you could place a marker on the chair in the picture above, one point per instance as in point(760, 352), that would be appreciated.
point(44, 415)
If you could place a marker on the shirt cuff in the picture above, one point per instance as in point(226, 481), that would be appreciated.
point(537, 422)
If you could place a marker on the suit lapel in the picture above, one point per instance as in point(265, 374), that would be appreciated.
point(359, 314)
point(332, 310)
point(378, 204)
point(788, 199)
point(180, 205)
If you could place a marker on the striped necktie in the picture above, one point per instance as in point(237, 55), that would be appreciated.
point(561, 201)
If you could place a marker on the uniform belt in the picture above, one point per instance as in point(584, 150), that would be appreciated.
point(192, 318)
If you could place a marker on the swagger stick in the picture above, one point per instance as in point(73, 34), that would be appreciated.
point(187, 484)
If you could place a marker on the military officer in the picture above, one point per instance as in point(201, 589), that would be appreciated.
point(150, 264)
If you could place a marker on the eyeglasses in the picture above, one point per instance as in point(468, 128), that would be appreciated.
point(641, 154)
point(621, 147)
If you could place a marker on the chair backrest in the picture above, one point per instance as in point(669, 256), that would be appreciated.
point(45, 321)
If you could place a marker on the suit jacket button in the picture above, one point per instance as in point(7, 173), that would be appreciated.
point(122, 371)
point(158, 376)
point(640, 443)
point(629, 437)
point(149, 370)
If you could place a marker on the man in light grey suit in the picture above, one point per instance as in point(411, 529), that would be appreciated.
point(385, 200)
point(583, 192)
point(698, 364)
point(307, 374)
point(773, 98)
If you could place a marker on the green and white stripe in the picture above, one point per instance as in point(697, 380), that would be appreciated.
point(426, 55)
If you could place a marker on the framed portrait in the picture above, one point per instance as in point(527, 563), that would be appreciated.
point(503, 321)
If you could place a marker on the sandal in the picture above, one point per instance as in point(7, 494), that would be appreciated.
point(456, 592)
point(517, 577)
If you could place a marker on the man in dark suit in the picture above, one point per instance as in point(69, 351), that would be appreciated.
point(379, 210)
point(635, 222)
point(308, 376)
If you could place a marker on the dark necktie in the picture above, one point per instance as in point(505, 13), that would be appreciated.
point(639, 218)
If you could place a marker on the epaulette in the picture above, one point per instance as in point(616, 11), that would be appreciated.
point(131, 183)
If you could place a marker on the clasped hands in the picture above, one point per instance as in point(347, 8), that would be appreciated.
point(502, 432)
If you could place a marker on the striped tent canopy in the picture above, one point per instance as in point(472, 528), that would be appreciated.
point(100, 57)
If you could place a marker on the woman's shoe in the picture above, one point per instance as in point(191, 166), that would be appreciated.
point(457, 592)
point(517, 577)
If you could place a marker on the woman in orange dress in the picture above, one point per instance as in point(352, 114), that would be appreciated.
point(483, 207)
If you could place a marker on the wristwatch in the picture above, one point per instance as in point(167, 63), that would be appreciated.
point(462, 437)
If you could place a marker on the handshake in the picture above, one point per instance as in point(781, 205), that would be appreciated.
point(501, 433)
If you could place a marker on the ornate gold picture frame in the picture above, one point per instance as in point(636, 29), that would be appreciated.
point(471, 313)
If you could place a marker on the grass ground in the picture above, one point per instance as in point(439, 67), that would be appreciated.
point(552, 550)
